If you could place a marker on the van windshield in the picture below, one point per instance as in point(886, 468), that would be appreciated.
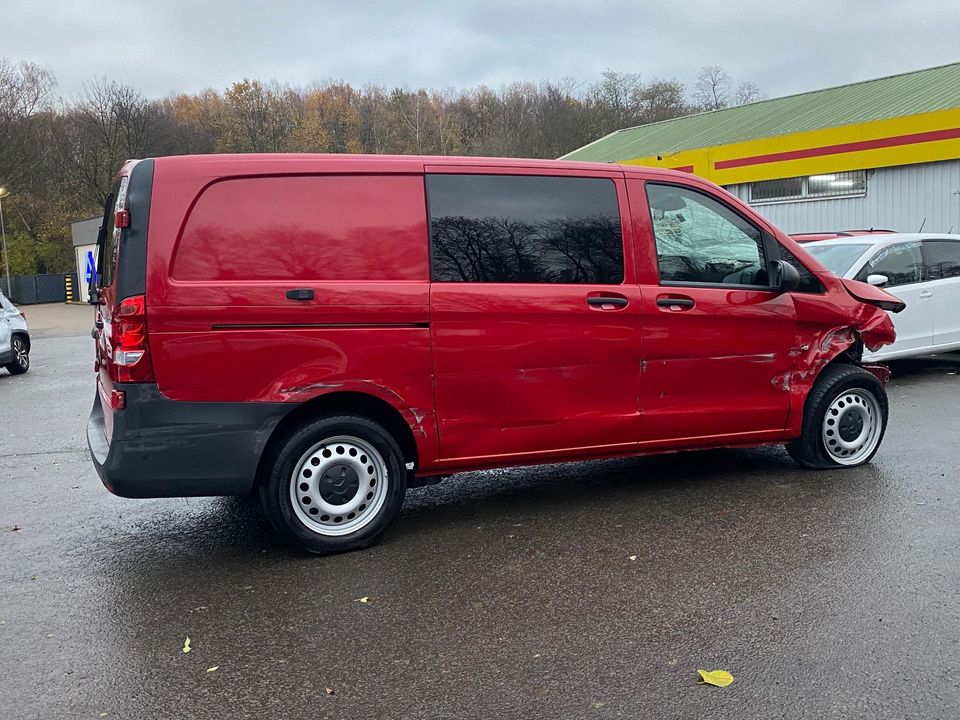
point(837, 258)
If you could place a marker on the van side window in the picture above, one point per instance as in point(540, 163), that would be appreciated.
point(900, 263)
point(524, 229)
point(700, 240)
point(306, 228)
point(942, 258)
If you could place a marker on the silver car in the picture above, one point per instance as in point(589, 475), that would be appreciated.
point(14, 338)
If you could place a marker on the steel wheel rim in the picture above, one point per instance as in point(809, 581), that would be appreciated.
point(20, 351)
point(339, 486)
point(851, 427)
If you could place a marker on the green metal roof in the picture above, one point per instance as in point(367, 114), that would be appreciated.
point(907, 94)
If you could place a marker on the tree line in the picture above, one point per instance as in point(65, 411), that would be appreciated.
point(58, 156)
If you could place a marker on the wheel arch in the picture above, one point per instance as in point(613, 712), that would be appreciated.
point(23, 334)
point(347, 402)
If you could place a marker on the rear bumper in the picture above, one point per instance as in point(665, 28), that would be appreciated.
point(164, 448)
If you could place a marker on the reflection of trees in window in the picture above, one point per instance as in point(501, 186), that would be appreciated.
point(499, 249)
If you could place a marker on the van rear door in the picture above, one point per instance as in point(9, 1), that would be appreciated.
point(105, 295)
point(122, 352)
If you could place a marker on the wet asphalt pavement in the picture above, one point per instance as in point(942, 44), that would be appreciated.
point(495, 595)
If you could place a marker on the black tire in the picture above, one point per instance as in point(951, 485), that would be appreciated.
point(836, 379)
point(21, 356)
point(299, 448)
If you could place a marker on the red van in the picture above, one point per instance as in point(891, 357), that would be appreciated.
point(330, 330)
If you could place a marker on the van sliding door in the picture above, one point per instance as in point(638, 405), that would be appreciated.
point(535, 314)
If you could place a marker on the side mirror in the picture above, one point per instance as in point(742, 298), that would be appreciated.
point(877, 280)
point(94, 295)
point(784, 276)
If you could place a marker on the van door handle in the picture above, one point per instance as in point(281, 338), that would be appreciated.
point(300, 294)
point(681, 303)
point(601, 300)
point(925, 294)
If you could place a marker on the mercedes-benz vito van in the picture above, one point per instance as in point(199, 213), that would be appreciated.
point(329, 330)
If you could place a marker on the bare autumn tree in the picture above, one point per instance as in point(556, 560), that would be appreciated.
point(615, 101)
point(376, 129)
point(663, 100)
point(747, 92)
point(255, 118)
point(26, 93)
point(109, 124)
point(413, 110)
point(712, 89)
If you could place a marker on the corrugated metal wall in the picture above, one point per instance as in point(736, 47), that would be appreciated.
point(897, 198)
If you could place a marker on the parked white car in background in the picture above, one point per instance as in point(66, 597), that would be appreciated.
point(14, 338)
point(922, 269)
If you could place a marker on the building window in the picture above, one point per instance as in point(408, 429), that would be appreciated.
point(826, 185)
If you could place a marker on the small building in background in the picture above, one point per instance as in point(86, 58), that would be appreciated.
point(883, 153)
point(85, 250)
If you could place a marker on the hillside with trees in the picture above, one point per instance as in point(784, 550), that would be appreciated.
point(58, 155)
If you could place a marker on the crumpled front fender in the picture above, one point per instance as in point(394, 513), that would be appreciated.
point(877, 330)
point(843, 320)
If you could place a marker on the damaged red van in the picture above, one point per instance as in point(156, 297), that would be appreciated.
point(330, 330)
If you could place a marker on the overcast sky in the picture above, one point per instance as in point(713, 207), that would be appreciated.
point(167, 46)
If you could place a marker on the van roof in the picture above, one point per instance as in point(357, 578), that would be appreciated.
point(309, 162)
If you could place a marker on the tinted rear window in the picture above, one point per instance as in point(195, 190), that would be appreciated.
point(306, 228)
point(524, 229)
point(942, 258)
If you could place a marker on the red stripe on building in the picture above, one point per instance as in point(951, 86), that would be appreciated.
point(931, 136)
point(684, 168)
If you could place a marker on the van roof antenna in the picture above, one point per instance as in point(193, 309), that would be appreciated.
point(921, 225)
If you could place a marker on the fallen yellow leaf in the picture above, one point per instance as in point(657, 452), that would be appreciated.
point(365, 600)
point(328, 691)
point(186, 645)
point(213, 669)
point(720, 678)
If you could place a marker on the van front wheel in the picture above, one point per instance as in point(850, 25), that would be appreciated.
point(334, 484)
point(844, 419)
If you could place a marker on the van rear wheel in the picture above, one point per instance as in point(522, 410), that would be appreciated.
point(334, 484)
point(844, 419)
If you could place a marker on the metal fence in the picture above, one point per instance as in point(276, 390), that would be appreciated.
point(32, 289)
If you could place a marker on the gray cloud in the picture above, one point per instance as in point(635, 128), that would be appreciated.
point(164, 47)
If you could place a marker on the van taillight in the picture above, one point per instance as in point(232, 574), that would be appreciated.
point(131, 351)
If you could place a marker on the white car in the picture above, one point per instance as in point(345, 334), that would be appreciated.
point(922, 269)
point(14, 338)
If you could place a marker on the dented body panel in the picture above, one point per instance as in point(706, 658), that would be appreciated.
point(482, 374)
